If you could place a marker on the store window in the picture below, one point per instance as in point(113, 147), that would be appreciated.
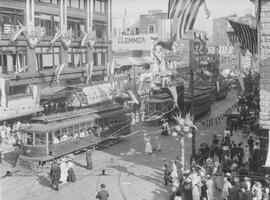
point(100, 56)
point(76, 57)
point(12, 59)
point(100, 28)
point(47, 59)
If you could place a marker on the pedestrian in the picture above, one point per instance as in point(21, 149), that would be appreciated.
point(89, 159)
point(210, 187)
point(234, 192)
point(167, 173)
point(156, 142)
point(148, 146)
point(55, 175)
point(103, 194)
point(71, 174)
point(64, 171)
point(204, 190)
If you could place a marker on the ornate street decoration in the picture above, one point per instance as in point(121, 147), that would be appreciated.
point(64, 35)
point(89, 38)
point(32, 35)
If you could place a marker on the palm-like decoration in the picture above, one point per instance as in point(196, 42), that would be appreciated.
point(184, 126)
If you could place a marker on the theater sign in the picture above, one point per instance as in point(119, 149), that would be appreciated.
point(133, 42)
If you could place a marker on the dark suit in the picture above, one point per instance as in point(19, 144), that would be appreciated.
point(55, 175)
point(102, 195)
point(89, 160)
point(234, 193)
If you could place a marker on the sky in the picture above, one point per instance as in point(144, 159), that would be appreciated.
point(218, 8)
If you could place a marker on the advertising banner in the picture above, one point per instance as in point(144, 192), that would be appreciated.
point(133, 42)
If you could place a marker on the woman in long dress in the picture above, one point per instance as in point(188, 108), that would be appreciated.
point(64, 172)
point(148, 146)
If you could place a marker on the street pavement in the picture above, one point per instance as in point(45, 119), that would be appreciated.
point(129, 176)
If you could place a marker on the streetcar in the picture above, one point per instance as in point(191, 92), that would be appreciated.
point(201, 103)
point(53, 136)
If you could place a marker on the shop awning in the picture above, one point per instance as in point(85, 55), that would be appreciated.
point(137, 61)
point(19, 108)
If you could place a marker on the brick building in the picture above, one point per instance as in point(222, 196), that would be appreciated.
point(30, 59)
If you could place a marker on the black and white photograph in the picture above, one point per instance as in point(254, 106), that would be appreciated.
point(135, 99)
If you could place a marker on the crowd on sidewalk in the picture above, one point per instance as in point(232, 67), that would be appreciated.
point(221, 170)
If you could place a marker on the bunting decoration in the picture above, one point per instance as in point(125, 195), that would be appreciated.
point(218, 120)
point(58, 71)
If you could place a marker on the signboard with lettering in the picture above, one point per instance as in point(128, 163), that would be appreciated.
point(133, 42)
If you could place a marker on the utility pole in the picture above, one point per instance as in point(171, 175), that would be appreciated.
point(192, 109)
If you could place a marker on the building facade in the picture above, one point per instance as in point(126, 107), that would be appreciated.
point(24, 64)
point(220, 27)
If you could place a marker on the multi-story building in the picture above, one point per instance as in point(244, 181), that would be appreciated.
point(149, 22)
point(220, 32)
point(53, 33)
point(126, 25)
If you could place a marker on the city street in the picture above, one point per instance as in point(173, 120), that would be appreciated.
point(137, 176)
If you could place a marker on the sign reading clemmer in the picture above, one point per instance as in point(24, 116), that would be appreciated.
point(133, 42)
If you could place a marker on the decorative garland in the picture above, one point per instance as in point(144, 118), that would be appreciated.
point(218, 120)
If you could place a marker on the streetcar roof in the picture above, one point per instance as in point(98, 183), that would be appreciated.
point(76, 113)
point(56, 125)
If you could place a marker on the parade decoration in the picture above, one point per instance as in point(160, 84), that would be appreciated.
point(58, 71)
point(183, 14)
point(32, 35)
point(217, 120)
point(64, 35)
point(184, 126)
point(88, 39)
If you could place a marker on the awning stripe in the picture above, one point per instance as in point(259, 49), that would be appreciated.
point(132, 61)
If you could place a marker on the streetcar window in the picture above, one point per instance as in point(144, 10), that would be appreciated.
point(56, 138)
point(50, 138)
point(158, 107)
point(29, 138)
point(40, 139)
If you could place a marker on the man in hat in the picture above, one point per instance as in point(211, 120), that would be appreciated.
point(55, 175)
point(103, 194)
point(89, 159)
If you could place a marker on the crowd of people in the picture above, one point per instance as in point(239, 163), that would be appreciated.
point(226, 172)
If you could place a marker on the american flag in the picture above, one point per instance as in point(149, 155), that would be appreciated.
point(232, 37)
point(183, 14)
point(247, 36)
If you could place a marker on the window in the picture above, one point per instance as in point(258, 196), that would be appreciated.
point(47, 60)
point(12, 59)
point(76, 24)
point(76, 57)
point(151, 29)
point(46, 22)
point(97, 6)
point(100, 28)
point(99, 56)
point(40, 139)
point(9, 20)
point(137, 31)
point(19, 89)
point(102, 7)
point(29, 139)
